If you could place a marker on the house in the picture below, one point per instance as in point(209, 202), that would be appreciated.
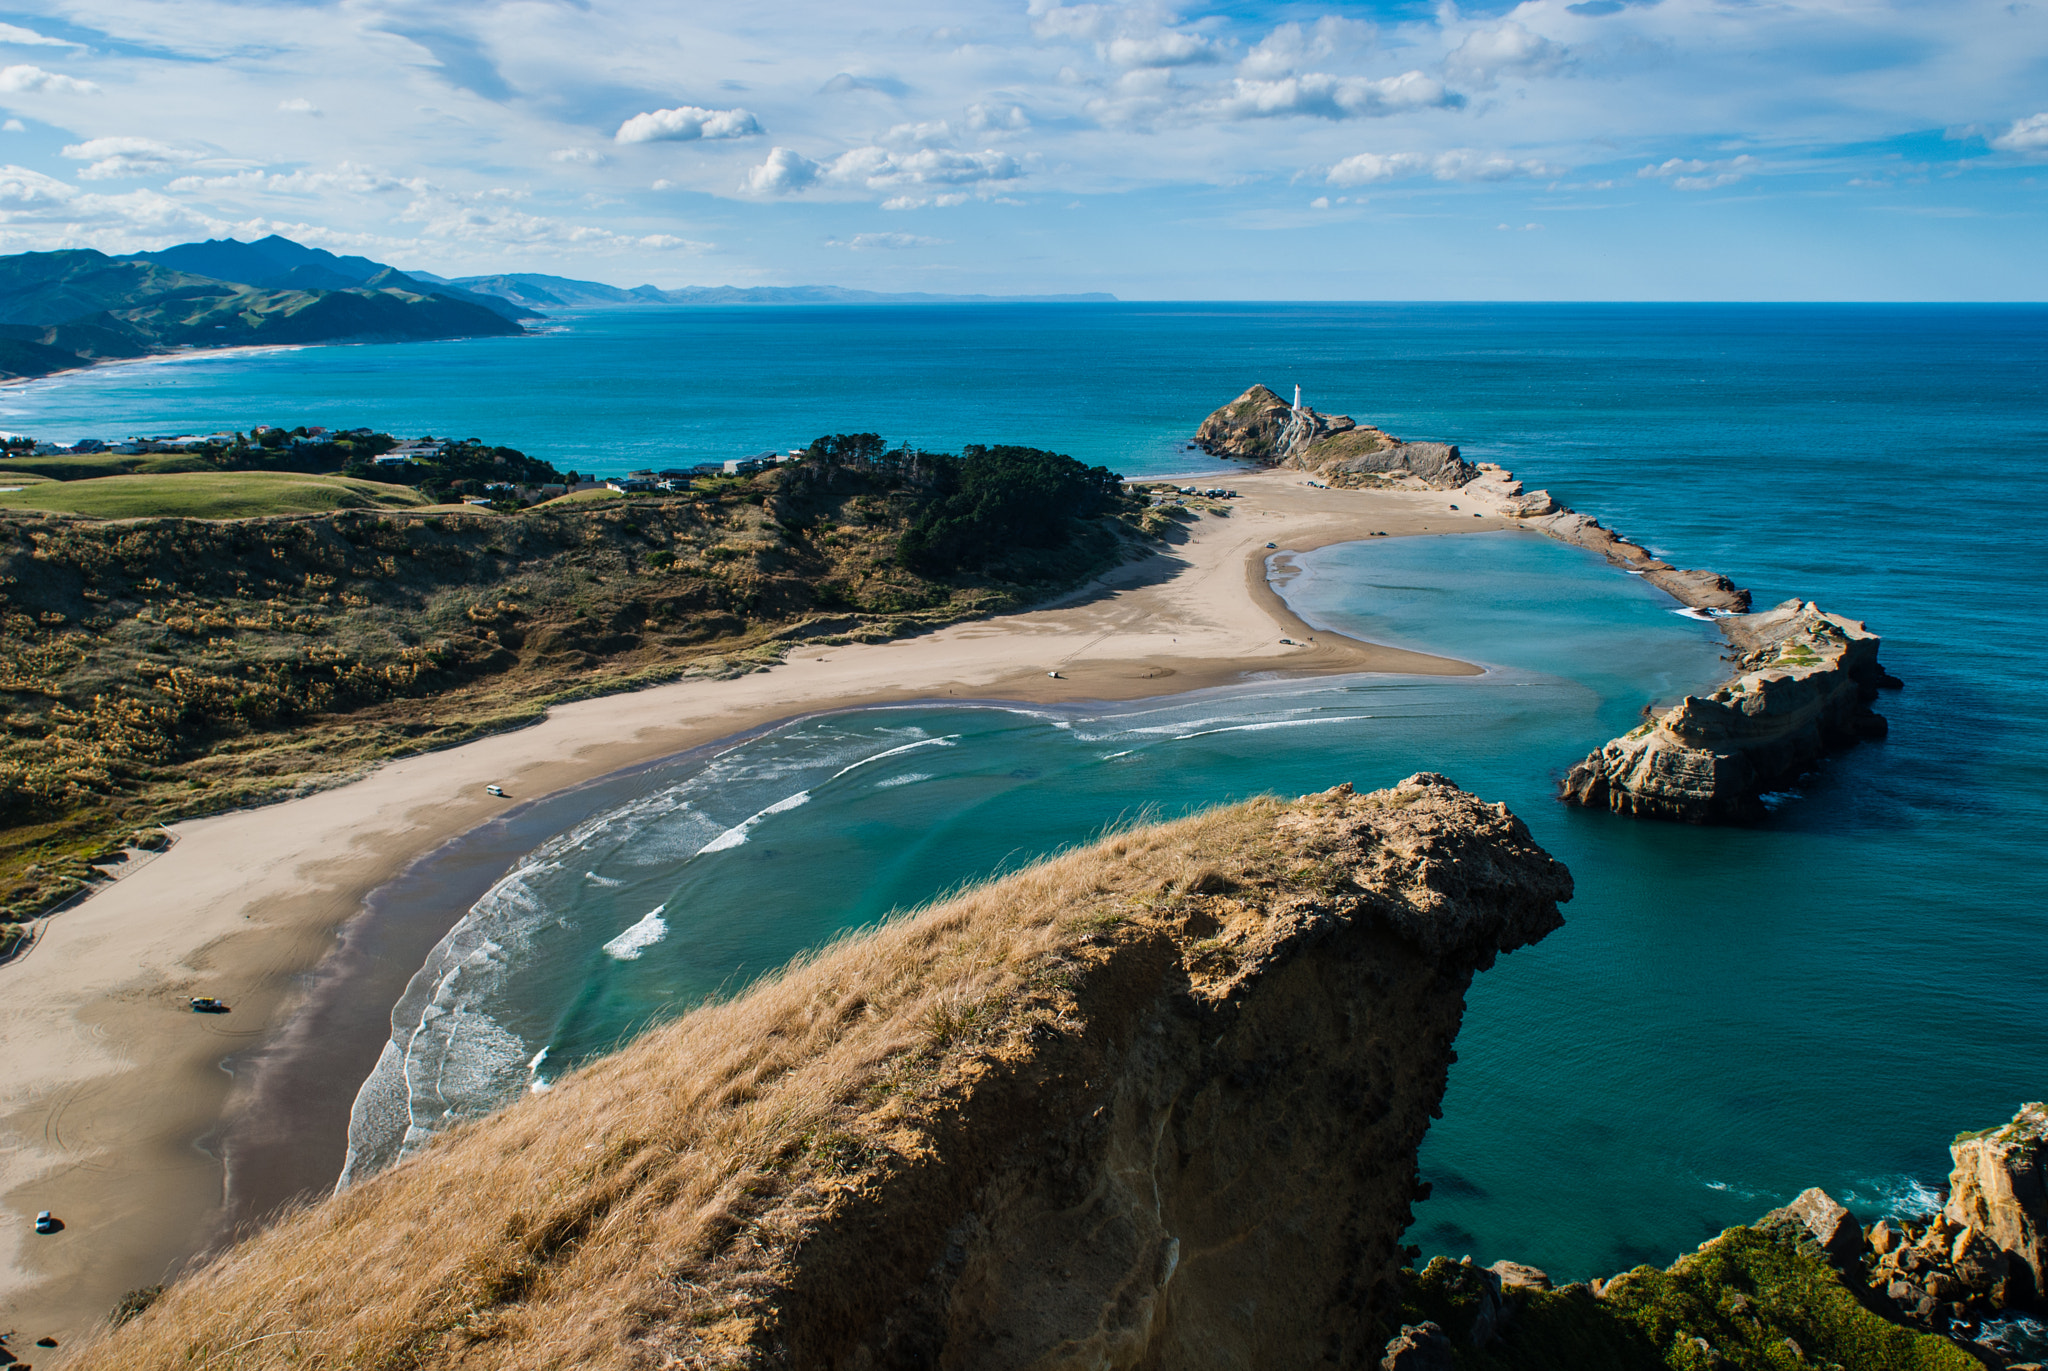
point(626, 485)
point(747, 466)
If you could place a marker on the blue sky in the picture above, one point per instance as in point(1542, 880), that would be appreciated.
point(1604, 149)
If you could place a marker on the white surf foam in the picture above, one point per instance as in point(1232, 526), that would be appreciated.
point(907, 778)
point(737, 834)
point(629, 946)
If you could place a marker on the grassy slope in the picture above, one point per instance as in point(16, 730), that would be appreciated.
point(164, 667)
point(634, 1192)
point(89, 465)
point(209, 495)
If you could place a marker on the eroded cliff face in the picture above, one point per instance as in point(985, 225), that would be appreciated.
point(1803, 685)
point(1152, 1104)
point(1999, 1191)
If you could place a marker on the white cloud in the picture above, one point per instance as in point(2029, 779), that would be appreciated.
point(581, 156)
point(1325, 96)
point(299, 105)
point(1291, 47)
point(16, 36)
point(1488, 54)
point(1167, 48)
point(2028, 135)
point(1693, 174)
point(785, 171)
point(1459, 164)
point(919, 135)
point(894, 242)
point(347, 178)
point(687, 123)
point(22, 79)
point(13, 126)
point(111, 157)
point(877, 168)
point(987, 119)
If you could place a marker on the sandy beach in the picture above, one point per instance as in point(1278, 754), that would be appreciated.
point(116, 1094)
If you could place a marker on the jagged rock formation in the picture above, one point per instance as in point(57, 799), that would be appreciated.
point(1260, 425)
point(1804, 685)
point(1153, 1103)
point(1496, 488)
point(1999, 1189)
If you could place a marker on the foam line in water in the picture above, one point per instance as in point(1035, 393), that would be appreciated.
point(908, 778)
point(628, 946)
point(737, 834)
point(1273, 723)
point(946, 741)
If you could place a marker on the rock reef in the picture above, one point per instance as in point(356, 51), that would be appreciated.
point(1802, 687)
point(1151, 1103)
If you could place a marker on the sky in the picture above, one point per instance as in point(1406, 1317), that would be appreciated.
point(1597, 150)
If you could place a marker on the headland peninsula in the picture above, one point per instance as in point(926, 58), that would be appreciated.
point(1173, 595)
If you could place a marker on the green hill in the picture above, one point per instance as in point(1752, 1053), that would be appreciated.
point(208, 495)
point(60, 310)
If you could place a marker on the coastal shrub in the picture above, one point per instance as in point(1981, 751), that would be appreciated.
point(1751, 1298)
point(991, 500)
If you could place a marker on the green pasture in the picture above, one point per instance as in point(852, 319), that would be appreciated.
point(208, 495)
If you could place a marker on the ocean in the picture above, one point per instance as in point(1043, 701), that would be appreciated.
point(1728, 1015)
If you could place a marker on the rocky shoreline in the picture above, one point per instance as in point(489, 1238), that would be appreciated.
point(1806, 1282)
point(1804, 679)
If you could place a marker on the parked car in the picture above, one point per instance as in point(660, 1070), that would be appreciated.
point(47, 1222)
point(207, 1004)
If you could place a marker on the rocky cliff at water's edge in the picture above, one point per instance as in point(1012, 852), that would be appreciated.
point(1263, 427)
point(1152, 1103)
point(1802, 687)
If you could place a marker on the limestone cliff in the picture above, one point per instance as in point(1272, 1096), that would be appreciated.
point(1999, 1189)
point(1803, 685)
point(1153, 1103)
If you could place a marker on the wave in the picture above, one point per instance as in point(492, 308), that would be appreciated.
point(595, 879)
point(907, 778)
point(1273, 723)
point(1908, 1197)
point(737, 834)
point(629, 946)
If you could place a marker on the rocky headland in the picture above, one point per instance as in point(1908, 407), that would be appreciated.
point(1803, 686)
point(1804, 680)
point(1155, 1102)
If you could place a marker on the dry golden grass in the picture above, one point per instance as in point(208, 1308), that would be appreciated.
point(661, 1188)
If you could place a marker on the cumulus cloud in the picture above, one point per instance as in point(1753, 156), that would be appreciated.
point(13, 126)
point(1324, 96)
point(1490, 53)
point(1291, 47)
point(2028, 135)
point(996, 119)
point(893, 242)
point(785, 171)
point(112, 157)
point(1459, 164)
point(687, 123)
point(1167, 48)
point(878, 168)
point(1693, 174)
point(22, 79)
point(300, 105)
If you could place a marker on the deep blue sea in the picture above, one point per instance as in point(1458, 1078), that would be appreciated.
point(1728, 1016)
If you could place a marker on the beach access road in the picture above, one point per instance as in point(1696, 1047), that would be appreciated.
point(115, 1091)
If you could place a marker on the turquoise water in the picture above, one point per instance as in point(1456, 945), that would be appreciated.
point(1728, 1015)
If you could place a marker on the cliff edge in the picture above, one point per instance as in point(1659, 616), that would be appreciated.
point(1152, 1103)
point(1802, 686)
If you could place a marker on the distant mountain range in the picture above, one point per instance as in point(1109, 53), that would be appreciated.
point(72, 308)
point(560, 292)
